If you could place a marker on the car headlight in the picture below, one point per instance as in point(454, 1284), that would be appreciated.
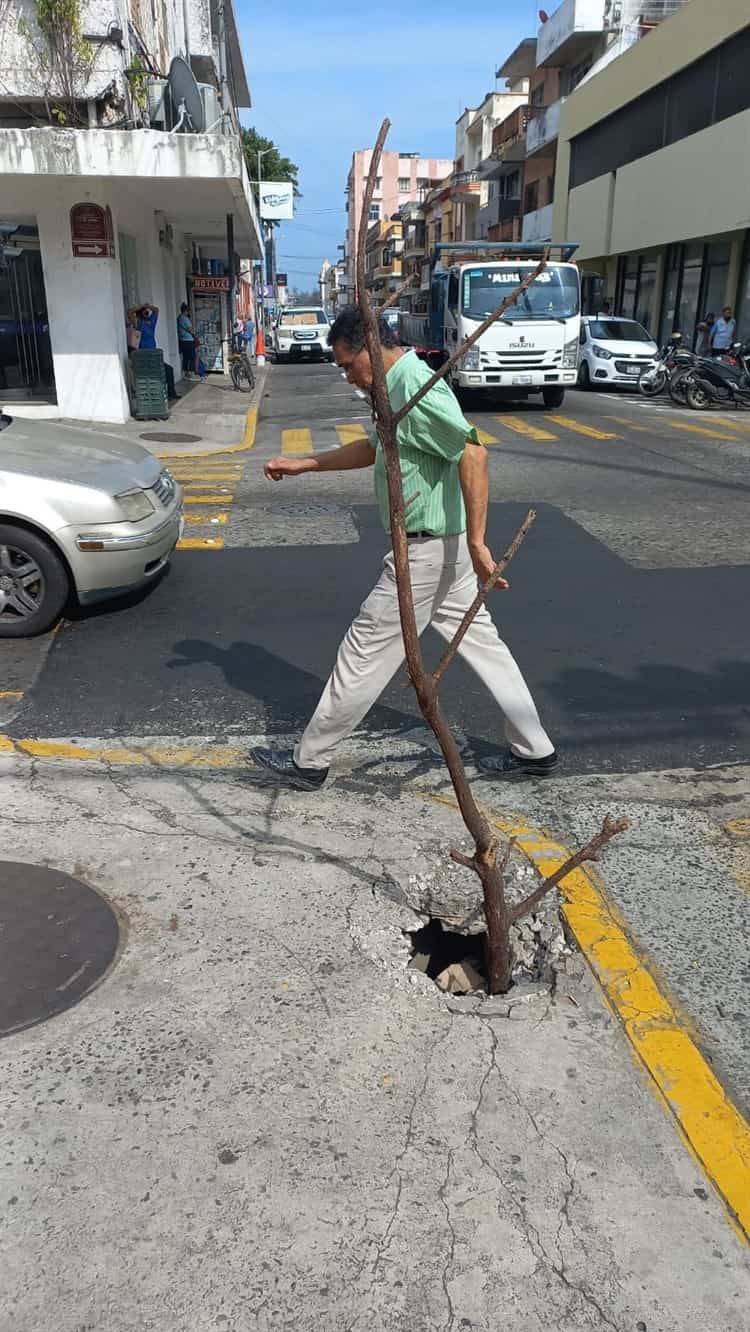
point(135, 504)
point(602, 353)
point(570, 354)
point(470, 359)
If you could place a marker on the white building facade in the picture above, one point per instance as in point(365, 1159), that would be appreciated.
point(113, 194)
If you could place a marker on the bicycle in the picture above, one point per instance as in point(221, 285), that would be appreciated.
point(241, 371)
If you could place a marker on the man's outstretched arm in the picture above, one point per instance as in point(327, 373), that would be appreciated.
point(360, 453)
point(473, 473)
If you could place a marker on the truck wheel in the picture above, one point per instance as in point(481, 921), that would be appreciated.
point(553, 397)
point(34, 584)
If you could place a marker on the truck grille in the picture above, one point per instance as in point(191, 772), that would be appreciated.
point(519, 360)
point(164, 488)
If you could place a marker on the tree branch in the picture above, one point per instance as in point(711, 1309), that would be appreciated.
point(609, 829)
point(396, 294)
point(469, 342)
point(481, 596)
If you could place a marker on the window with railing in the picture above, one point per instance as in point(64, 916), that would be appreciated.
point(404, 184)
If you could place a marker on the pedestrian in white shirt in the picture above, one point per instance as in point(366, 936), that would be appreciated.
point(722, 333)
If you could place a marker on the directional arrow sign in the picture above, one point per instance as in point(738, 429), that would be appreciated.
point(91, 231)
point(87, 249)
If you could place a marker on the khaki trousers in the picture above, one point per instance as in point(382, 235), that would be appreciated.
point(444, 585)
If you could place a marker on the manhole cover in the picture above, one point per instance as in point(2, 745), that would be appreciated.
point(57, 939)
point(161, 437)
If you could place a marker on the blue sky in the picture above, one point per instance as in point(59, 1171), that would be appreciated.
point(323, 74)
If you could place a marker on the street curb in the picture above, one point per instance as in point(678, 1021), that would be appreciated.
point(248, 439)
point(712, 1127)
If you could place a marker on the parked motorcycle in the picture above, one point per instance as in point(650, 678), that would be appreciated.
point(714, 382)
point(654, 380)
point(679, 376)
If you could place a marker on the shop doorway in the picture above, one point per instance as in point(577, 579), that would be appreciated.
point(26, 368)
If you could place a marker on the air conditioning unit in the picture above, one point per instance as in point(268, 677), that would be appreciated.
point(159, 104)
point(211, 107)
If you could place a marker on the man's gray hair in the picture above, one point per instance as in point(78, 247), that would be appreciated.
point(348, 329)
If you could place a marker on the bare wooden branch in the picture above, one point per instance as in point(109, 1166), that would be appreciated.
point(609, 829)
point(479, 599)
point(393, 298)
point(467, 861)
point(469, 342)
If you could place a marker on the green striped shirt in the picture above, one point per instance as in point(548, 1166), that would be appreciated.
point(431, 440)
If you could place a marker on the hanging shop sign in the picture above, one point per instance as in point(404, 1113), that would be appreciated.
point(277, 199)
point(210, 283)
point(91, 231)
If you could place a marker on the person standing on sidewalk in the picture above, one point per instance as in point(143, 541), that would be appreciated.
point(722, 333)
point(446, 493)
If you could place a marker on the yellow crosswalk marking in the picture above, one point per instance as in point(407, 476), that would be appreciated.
point(200, 543)
point(209, 499)
point(484, 438)
point(524, 427)
point(707, 431)
point(187, 478)
point(196, 519)
point(296, 441)
point(626, 421)
point(348, 433)
point(580, 428)
point(734, 424)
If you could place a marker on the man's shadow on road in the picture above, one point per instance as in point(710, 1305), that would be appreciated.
point(288, 695)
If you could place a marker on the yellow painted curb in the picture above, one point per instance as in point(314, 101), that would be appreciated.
point(248, 440)
point(713, 1128)
point(154, 756)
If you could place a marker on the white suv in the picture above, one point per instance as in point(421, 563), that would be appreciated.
point(613, 351)
point(302, 332)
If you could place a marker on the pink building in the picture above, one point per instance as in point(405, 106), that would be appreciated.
point(404, 178)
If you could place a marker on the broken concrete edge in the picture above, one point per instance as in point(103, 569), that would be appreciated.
point(252, 417)
point(711, 1126)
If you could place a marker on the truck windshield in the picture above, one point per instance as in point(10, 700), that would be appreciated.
point(553, 295)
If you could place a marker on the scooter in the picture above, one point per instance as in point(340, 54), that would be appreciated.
point(713, 382)
point(654, 380)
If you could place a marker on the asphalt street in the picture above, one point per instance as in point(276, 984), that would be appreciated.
point(627, 609)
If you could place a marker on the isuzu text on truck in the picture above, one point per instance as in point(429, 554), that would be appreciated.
point(532, 348)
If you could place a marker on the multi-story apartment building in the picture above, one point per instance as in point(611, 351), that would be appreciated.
point(404, 177)
point(122, 182)
point(464, 213)
point(502, 169)
point(576, 42)
point(383, 249)
point(651, 171)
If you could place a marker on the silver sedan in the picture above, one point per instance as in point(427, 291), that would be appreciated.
point(77, 520)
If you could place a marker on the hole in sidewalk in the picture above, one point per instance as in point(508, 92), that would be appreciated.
point(454, 961)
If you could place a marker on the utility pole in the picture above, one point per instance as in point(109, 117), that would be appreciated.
point(264, 232)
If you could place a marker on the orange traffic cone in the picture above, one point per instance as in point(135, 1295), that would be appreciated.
point(260, 347)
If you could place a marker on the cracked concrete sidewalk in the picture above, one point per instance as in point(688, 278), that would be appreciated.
point(261, 1121)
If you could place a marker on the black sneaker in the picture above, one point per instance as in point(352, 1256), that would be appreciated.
point(510, 764)
point(281, 763)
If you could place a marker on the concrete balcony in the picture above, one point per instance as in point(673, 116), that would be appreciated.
point(568, 32)
point(543, 128)
point(537, 226)
point(497, 211)
point(466, 184)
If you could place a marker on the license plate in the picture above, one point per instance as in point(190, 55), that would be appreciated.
point(632, 369)
point(522, 379)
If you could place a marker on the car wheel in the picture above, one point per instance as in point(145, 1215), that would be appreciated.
point(584, 375)
point(553, 397)
point(34, 583)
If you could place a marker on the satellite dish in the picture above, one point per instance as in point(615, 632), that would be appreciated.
point(186, 98)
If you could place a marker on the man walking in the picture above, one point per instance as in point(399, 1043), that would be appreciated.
point(722, 332)
point(446, 492)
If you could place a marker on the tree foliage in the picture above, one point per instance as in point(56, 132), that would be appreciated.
point(274, 165)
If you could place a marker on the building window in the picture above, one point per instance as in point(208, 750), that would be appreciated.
point(374, 214)
point(423, 182)
point(694, 286)
point(531, 197)
point(704, 93)
point(386, 258)
point(404, 184)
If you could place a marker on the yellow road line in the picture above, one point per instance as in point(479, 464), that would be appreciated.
point(523, 427)
point(189, 478)
point(734, 424)
point(348, 433)
point(296, 441)
point(580, 428)
point(247, 442)
point(200, 543)
point(484, 437)
point(195, 519)
point(207, 485)
point(209, 499)
point(700, 430)
point(713, 1127)
point(11, 693)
